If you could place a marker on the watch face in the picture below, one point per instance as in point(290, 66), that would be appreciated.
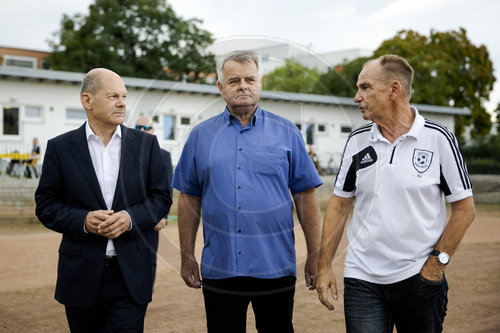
point(443, 258)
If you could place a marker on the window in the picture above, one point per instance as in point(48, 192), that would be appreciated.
point(168, 127)
point(310, 134)
point(346, 129)
point(18, 61)
point(185, 121)
point(32, 112)
point(75, 114)
point(10, 124)
point(321, 128)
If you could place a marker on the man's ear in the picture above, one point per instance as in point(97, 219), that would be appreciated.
point(219, 85)
point(85, 99)
point(396, 89)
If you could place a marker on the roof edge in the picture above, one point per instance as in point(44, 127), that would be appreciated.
point(140, 83)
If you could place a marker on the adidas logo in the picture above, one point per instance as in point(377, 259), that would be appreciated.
point(366, 159)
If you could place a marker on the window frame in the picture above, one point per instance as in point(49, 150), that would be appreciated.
point(174, 127)
point(342, 132)
point(324, 132)
point(8, 57)
point(74, 120)
point(28, 119)
point(10, 136)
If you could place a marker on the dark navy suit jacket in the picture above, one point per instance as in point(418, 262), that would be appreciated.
point(69, 190)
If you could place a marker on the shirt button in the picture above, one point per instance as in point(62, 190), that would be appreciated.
point(239, 252)
point(240, 149)
point(239, 230)
point(239, 167)
point(239, 187)
point(239, 208)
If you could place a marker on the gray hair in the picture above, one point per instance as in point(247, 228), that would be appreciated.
point(240, 56)
point(396, 67)
point(91, 83)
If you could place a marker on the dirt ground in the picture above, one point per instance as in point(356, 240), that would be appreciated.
point(28, 257)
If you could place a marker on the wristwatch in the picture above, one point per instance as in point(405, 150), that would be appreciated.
point(442, 257)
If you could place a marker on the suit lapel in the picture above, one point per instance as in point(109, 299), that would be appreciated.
point(80, 152)
point(127, 161)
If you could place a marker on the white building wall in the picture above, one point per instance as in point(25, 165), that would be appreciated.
point(54, 99)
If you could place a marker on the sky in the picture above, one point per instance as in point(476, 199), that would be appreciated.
point(318, 25)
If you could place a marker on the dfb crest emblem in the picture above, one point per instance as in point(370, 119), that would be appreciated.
point(422, 160)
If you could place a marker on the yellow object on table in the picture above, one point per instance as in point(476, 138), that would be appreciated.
point(16, 156)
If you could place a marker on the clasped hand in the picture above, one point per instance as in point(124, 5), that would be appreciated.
point(107, 223)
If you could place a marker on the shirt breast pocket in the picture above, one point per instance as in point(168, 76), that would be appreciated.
point(269, 160)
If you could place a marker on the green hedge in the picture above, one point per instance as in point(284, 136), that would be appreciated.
point(482, 155)
point(483, 166)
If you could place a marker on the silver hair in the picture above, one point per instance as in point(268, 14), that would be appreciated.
point(91, 83)
point(240, 56)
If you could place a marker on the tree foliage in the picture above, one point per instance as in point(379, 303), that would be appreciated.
point(497, 118)
point(449, 71)
point(341, 81)
point(135, 38)
point(293, 77)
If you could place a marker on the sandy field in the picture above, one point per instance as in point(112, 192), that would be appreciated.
point(28, 257)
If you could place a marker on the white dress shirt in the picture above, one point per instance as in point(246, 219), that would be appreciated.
point(106, 162)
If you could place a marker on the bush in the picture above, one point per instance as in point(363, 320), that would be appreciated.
point(483, 166)
point(483, 155)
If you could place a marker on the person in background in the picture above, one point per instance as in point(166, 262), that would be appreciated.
point(399, 168)
point(35, 151)
point(238, 169)
point(104, 188)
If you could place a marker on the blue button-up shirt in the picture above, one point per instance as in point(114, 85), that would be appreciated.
point(244, 176)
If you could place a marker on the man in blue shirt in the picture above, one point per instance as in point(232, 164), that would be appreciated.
point(239, 168)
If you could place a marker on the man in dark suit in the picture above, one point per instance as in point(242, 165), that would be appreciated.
point(145, 124)
point(104, 187)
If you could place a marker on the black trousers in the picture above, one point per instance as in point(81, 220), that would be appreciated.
point(226, 303)
point(114, 310)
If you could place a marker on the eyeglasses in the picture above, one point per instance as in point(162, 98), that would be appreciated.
point(146, 127)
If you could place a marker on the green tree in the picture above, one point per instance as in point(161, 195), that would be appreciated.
point(497, 118)
point(341, 81)
point(139, 38)
point(449, 71)
point(293, 77)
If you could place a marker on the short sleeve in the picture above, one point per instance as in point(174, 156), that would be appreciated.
point(303, 173)
point(186, 176)
point(343, 187)
point(455, 182)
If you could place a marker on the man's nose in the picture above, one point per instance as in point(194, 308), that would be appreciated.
point(243, 85)
point(122, 101)
point(357, 98)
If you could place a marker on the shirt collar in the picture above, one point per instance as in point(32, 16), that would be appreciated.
point(90, 133)
point(418, 123)
point(228, 117)
point(416, 127)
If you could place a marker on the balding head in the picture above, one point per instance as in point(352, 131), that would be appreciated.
point(395, 67)
point(103, 97)
point(145, 121)
point(92, 82)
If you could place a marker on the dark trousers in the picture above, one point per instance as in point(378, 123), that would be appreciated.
point(412, 305)
point(226, 303)
point(114, 310)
